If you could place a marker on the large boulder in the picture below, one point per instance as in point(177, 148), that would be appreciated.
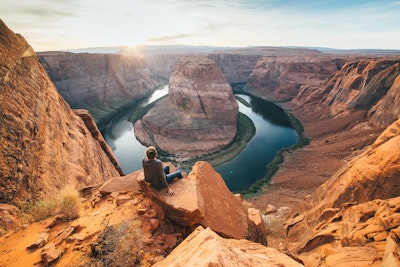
point(203, 247)
point(204, 199)
point(199, 116)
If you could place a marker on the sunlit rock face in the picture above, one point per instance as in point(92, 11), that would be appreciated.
point(199, 116)
point(199, 88)
point(371, 85)
point(101, 83)
point(355, 211)
point(203, 247)
point(367, 86)
point(44, 145)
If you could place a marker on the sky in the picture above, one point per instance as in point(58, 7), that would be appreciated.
point(71, 24)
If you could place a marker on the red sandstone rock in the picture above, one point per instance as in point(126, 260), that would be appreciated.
point(44, 145)
point(358, 206)
point(257, 231)
point(50, 254)
point(199, 116)
point(203, 199)
point(363, 84)
point(387, 109)
point(205, 248)
point(9, 218)
point(121, 184)
point(101, 83)
point(40, 242)
point(280, 78)
point(392, 249)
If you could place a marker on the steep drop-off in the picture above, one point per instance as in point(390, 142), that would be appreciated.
point(369, 86)
point(280, 78)
point(366, 85)
point(101, 83)
point(44, 145)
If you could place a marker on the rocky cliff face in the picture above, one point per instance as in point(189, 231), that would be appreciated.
point(199, 88)
point(355, 211)
point(369, 86)
point(44, 145)
point(200, 115)
point(280, 78)
point(101, 83)
point(236, 67)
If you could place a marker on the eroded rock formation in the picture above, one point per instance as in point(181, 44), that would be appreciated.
point(44, 145)
point(205, 248)
point(199, 116)
point(101, 83)
point(356, 208)
point(369, 86)
point(280, 78)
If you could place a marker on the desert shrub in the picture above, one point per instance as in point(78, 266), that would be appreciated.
point(275, 226)
point(118, 245)
point(67, 203)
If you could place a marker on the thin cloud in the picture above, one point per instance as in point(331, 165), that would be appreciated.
point(169, 39)
point(83, 23)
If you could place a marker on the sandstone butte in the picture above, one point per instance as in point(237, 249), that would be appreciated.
point(198, 117)
point(351, 220)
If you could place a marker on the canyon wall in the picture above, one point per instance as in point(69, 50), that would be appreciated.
point(280, 78)
point(355, 212)
point(364, 86)
point(372, 86)
point(101, 83)
point(199, 116)
point(235, 66)
point(44, 145)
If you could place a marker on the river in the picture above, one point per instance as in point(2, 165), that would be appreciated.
point(273, 133)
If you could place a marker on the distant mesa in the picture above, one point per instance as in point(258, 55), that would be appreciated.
point(199, 116)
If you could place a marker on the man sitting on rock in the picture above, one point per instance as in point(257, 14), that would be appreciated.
point(157, 175)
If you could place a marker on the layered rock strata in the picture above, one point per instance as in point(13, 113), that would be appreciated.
point(280, 78)
point(369, 86)
point(372, 86)
point(357, 207)
point(101, 83)
point(44, 145)
point(235, 64)
point(198, 117)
